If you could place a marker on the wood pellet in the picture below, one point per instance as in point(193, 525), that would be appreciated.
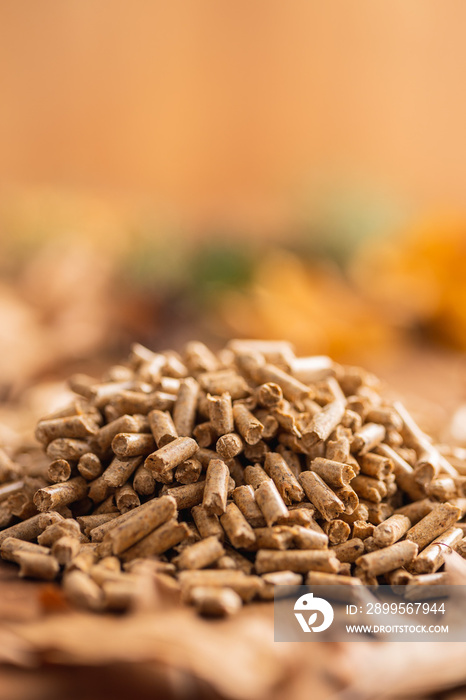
point(230, 473)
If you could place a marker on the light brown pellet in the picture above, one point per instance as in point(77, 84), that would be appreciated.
point(6, 516)
point(200, 554)
point(298, 560)
point(375, 465)
point(59, 470)
point(370, 545)
point(349, 551)
point(171, 455)
point(404, 473)
point(222, 381)
point(269, 394)
point(433, 556)
point(293, 389)
point(126, 498)
point(369, 489)
point(188, 471)
point(441, 488)
point(133, 444)
point(229, 446)
point(398, 577)
point(78, 426)
point(384, 560)
point(42, 566)
point(417, 510)
point(286, 482)
point(275, 351)
point(320, 578)
point(204, 434)
point(98, 533)
point(62, 528)
point(162, 427)
point(247, 424)
point(337, 530)
point(428, 455)
point(184, 411)
point(461, 546)
point(333, 473)
point(433, 524)
point(119, 471)
point(287, 419)
point(255, 475)
point(90, 466)
point(123, 424)
point(208, 524)
point(67, 448)
point(199, 358)
point(221, 413)
point(391, 529)
point(300, 516)
point(243, 497)
point(270, 502)
point(82, 591)
point(367, 437)
point(100, 490)
point(377, 512)
point(89, 522)
point(348, 497)
point(50, 518)
point(338, 450)
point(12, 546)
point(247, 587)
point(291, 458)
point(321, 496)
point(324, 422)
point(362, 529)
point(65, 549)
point(159, 541)
point(211, 601)
point(306, 538)
point(140, 522)
point(312, 369)
point(216, 487)
point(84, 560)
point(143, 481)
point(277, 537)
point(187, 496)
point(237, 528)
point(361, 512)
point(385, 416)
point(61, 494)
point(134, 402)
point(279, 578)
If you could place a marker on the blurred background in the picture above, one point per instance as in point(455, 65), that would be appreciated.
point(207, 169)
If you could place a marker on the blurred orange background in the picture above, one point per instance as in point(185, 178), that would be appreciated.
point(213, 112)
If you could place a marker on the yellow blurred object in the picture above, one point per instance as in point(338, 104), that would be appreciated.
point(310, 305)
point(418, 277)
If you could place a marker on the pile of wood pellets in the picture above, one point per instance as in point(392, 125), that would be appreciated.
point(226, 474)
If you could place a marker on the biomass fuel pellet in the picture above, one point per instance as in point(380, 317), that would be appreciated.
point(228, 473)
point(389, 558)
